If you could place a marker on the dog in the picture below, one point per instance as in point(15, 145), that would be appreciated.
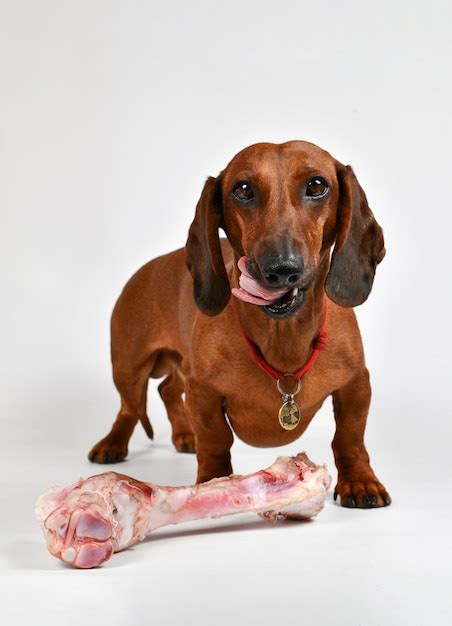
point(297, 223)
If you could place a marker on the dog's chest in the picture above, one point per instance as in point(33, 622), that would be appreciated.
point(253, 409)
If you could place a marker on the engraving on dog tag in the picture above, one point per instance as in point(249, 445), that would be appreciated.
point(289, 415)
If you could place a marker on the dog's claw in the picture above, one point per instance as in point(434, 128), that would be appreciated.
point(360, 492)
point(187, 449)
point(335, 494)
point(351, 502)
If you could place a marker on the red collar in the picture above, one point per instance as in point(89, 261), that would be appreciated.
point(258, 357)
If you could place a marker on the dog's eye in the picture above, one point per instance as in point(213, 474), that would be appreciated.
point(243, 192)
point(316, 188)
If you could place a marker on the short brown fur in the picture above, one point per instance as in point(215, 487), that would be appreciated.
point(174, 319)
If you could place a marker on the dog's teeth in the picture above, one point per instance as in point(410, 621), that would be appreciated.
point(294, 292)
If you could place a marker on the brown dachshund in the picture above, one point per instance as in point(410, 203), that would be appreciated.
point(283, 207)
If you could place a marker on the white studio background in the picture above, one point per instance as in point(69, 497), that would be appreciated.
point(112, 114)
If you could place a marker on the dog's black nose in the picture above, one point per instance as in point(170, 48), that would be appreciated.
point(282, 272)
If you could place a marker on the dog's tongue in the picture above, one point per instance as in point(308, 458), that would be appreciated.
point(251, 291)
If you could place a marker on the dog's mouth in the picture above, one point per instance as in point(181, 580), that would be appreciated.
point(278, 303)
point(287, 305)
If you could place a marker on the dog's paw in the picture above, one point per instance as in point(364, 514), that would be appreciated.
point(361, 494)
point(184, 442)
point(108, 451)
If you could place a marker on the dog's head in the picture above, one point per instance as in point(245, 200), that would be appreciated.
point(284, 206)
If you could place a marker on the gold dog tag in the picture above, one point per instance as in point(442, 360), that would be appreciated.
point(289, 415)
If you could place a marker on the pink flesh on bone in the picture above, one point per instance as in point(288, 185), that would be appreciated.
point(85, 523)
point(251, 291)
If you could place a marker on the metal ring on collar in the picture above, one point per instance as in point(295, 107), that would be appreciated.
point(287, 393)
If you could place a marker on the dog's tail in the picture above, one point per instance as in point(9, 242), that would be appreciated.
point(144, 419)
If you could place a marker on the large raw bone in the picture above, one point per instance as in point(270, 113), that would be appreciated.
point(85, 523)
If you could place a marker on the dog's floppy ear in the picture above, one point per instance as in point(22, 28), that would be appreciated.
point(359, 244)
point(203, 251)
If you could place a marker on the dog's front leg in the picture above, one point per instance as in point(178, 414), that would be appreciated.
point(213, 436)
point(357, 484)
